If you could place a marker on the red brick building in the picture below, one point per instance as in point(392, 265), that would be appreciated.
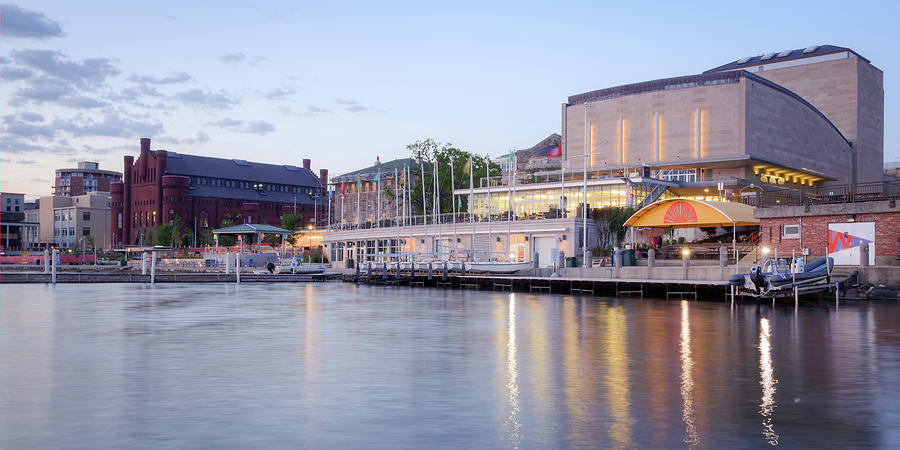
point(793, 228)
point(204, 191)
point(84, 179)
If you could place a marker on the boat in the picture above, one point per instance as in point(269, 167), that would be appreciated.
point(496, 267)
point(776, 278)
point(295, 266)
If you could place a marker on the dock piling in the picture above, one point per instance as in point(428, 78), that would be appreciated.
point(237, 267)
point(153, 268)
point(55, 257)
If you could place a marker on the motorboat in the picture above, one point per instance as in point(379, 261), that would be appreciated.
point(777, 277)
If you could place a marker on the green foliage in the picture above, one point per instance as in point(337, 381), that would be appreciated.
point(429, 152)
point(614, 219)
point(165, 235)
point(227, 240)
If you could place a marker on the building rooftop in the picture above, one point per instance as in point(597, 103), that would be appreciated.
point(238, 169)
point(786, 55)
point(384, 167)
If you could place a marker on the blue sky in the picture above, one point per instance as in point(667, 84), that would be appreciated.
point(342, 82)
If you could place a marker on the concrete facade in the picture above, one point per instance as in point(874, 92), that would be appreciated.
point(65, 221)
point(85, 178)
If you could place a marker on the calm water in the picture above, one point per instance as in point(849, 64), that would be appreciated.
point(341, 366)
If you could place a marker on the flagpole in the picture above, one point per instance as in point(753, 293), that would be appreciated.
point(509, 203)
point(397, 215)
point(424, 209)
point(358, 199)
point(453, 199)
point(409, 210)
point(587, 144)
point(378, 197)
point(342, 206)
point(472, 204)
point(437, 194)
point(490, 243)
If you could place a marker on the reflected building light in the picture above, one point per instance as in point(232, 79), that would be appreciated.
point(687, 379)
point(767, 381)
point(616, 359)
point(512, 377)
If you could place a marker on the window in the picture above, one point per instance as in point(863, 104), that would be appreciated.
point(86, 216)
point(792, 231)
point(86, 231)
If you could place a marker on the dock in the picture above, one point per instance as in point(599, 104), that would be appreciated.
point(162, 277)
point(638, 287)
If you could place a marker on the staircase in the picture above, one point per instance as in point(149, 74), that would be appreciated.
point(654, 195)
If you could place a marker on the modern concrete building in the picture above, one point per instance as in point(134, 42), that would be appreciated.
point(16, 232)
point(73, 222)
point(85, 178)
point(790, 120)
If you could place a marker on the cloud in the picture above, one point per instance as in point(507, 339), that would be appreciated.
point(10, 144)
point(172, 78)
point(25, 23)
point(199, 97)
point(31, 117)
point(15, 73)
point(226, 123)
point(279, 94)
point(201, 138)
point(24, 162)
point(81, 101)
point(239, 126)
point(353, 106)
point(112, 125)
point(240, 58)
point(85, 74)
point(24, 126)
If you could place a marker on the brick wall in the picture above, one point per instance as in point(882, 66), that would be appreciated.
point(814, 234)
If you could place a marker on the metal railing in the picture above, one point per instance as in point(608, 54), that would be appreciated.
point(841, 193)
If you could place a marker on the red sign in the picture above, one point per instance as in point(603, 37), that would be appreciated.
point(680, 212)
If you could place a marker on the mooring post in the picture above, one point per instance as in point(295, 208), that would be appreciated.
point(430, 272)
point(383, 271)
point(357, 272)
point(617, 257)
point(54, 256)
point(864, 254)
point(237, 267)
point(462, 268)
point(723, 256)
point(46, 261)
point(227, 262)
point(444, 276)
point(143, 263)
point(651, 258)
point(369, 270)
point(153, 268)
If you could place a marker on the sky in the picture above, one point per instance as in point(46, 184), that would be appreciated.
point(343, 82)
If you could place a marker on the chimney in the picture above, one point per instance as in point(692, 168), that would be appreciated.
point(145, 146)
point(323, 177)
point(307, 164)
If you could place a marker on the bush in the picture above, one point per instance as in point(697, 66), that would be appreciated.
point(681, 240)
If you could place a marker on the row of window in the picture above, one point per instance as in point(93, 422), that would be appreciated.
point(70, 231)
point(238, 184)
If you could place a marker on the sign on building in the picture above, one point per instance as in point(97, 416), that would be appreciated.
point(844, 240)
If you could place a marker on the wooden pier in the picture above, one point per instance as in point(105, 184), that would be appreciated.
point(532, 284)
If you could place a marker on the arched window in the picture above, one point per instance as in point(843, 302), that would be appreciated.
point(204, 219)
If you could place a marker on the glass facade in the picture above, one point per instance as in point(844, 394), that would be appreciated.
point(545, 202)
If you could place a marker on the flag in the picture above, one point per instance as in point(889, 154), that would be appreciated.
point(468, 167)
point(555, 152)
point(459, 202)
point(434, 172)
point(358, 184)
point(343, 187)
point(403, 176)
point(377, 177)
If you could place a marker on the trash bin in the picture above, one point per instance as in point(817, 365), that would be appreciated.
point(123, 263)
point(628, 258)
point(571, 261)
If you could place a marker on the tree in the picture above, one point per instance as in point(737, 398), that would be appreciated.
point(177, 230)
point(165, 235)
point(431, 152)
point(227, 240)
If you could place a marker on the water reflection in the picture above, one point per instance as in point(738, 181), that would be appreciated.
point(687, 378)
point(767, 381)
point(512, 377)
point(617, 377)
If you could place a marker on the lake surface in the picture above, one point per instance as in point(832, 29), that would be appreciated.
point(342, 366)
